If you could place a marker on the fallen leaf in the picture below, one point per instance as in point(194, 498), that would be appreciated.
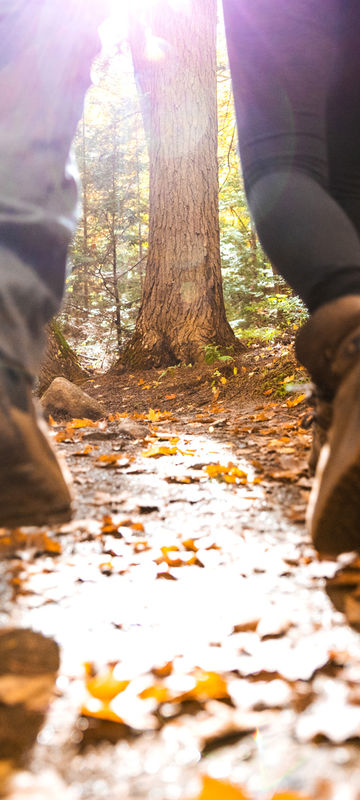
point(189, 544)
point(163, 670)
point(141, 546)
point(173, 557)
point(109, 526)
point(213, 789)
point(82, 423)
point(112, 460)
point(179, 479)
point(17, 540)
point(159, 450)
point(105, 686)
point(154, 415)
point(229, 473)
point(137, 526)
point(86, 452)
point(98, 710)
point(296, 401)
point(63, 436)
point(289, 796)
point(209, 685)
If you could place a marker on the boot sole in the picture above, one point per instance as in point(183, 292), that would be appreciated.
point(335, 526)
point(334, 506)
point(35, 519)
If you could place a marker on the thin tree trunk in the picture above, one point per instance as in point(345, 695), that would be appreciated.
point(85, 216)
point(115, 276)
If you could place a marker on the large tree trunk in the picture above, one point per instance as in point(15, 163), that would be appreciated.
point(182, 306)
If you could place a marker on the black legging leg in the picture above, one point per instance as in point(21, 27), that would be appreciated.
point(282, 58)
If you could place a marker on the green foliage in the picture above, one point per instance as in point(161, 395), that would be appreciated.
point(169, 371)
point(264, 335)
point(213, 352)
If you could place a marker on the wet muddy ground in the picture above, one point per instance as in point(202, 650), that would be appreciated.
point(199, 632)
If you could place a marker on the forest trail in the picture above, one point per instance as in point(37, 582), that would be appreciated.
point(214, 639)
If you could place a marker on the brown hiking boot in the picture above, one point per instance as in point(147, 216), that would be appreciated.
point(33, 490)
point(329, 347)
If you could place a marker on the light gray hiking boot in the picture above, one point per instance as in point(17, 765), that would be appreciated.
point(329, 347)
point(33, 490)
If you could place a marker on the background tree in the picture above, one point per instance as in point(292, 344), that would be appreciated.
point(182, 307)
point(109, 251)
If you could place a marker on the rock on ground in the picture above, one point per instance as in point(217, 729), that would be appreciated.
point(64, 400)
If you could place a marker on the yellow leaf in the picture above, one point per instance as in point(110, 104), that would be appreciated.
point(213, 789)
point(108, 526)
point(112, 458)
point(159, 450)
point(171, 556)
point(223, 380)
point(82, 423)
point(137, 526)
point(86, 452)
point(158, 692)
point(51, 546)
point(154, 415)
point(209, 685)
point(296, 401)
point(289, 796)
point(235, 370)
point(141, 545)
point(189, 544)
point(97, 710)
point(164, 670)
point(105, 687)
point(227, 473)
point(62, 436)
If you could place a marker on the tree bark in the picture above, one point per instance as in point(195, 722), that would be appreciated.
point(182, 306)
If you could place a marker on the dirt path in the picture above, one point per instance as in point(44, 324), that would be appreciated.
point(187, 585)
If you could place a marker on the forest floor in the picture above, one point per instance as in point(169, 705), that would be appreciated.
point(200, 633)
